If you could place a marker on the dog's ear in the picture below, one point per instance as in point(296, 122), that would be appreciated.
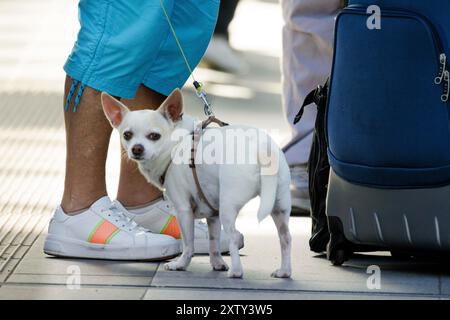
point(172, 107)
point(114, 109)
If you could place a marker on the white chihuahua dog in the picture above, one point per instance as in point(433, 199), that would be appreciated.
point(157, 140)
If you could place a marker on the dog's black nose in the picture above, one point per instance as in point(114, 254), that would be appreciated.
point(137, 150)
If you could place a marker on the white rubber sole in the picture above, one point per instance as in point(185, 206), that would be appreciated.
point(71, 248)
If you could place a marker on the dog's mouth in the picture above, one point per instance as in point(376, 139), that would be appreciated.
point(137, 158)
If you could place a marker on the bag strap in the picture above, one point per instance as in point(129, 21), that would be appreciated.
point(318, 96)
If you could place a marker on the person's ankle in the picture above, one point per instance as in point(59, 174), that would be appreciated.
point(142, 206)
point(73, 206)
point(138, 201)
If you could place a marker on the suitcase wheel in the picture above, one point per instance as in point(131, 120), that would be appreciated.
point(337, 256)
point(338, 248)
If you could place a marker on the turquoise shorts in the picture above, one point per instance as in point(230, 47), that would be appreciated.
point(125, 43)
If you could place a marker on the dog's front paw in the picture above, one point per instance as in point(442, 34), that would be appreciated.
point(235, 274)
point(280, 273)
point(174, 266)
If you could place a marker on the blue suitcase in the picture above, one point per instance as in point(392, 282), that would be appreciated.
point(387, 125)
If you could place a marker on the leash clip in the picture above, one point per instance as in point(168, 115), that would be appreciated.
point(207, 109)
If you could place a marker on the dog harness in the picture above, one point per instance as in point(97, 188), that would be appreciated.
point(196, 135)
point(198, 131)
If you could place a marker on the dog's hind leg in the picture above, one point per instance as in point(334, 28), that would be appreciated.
point(280, 216)
point(228, 216)
point(215, 256)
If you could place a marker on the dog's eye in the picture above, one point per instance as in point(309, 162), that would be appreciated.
point(153, 136)
point(127, 135)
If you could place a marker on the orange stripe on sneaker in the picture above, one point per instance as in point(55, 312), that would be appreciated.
point(102, 232)
point(171, 228)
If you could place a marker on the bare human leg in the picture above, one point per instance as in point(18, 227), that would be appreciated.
point(87, 139)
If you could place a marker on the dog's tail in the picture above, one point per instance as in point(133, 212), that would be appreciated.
point(269, 179)
point(268, 195)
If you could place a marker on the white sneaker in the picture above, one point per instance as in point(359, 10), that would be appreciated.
point(222, 56)
point(104, 232)
point(159, 217)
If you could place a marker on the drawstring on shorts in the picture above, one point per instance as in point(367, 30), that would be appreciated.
point(71, 93)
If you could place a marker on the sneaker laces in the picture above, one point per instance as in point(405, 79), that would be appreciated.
point(166, 204)
point(122, 219)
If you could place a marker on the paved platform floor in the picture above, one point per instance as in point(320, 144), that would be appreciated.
point(37, 276)
point(35, 38)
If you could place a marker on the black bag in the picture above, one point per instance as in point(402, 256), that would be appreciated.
point(324, 228)
point(318, 169)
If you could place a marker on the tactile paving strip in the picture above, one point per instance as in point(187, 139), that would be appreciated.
point(33, 48)
point(31, 163)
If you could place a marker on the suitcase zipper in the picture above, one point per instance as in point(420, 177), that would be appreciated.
point(446, 94)
point(443, 61)
point(443, 75)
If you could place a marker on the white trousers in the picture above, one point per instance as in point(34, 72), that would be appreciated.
point(306, 63)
